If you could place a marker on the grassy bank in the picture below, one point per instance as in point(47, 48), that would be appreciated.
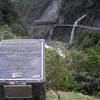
point(68, 96)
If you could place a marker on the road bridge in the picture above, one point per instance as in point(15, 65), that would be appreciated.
point(44, 22)
point(55, 24)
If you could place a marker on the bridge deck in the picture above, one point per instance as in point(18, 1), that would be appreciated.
point(54, 24)
point(44, 22)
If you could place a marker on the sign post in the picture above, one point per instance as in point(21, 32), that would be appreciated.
point(22, 72)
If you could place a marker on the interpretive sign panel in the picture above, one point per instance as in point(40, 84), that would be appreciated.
point(22, 60)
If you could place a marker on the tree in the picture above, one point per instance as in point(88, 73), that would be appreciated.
point(7, 12)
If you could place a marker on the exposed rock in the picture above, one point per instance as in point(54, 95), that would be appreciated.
point(31, 10)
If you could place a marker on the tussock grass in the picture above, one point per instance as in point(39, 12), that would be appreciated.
point(68, 96)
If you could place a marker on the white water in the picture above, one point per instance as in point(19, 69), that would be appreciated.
point(58, 50)
point(50, 35)
point(73, 29)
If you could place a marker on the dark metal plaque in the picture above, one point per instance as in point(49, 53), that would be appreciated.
point(18, 91)
point(22, 60)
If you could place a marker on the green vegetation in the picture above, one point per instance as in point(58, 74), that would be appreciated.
point(78, 72)
point(73, 9)
point(68, 96)
point(86, 38)
point(58, 76)
point(85, 66)
point(7, 13)
point(31, 9)
point(6, 33)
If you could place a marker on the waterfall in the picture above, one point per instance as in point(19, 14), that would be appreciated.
point(58, 50)
point(50, 35)
point(73, 29)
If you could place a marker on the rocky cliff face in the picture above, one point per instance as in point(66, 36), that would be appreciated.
point(31, 10)
point(52, 12)
point(73, 9)
point(61, 11)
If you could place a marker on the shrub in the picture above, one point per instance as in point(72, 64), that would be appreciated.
point(87, 38)
point(7, 12)
point(6, 33)
point(85, 66)
point(57, 73)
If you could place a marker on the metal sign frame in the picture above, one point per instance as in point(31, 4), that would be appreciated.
point(42, 79)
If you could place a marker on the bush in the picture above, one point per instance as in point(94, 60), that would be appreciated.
point(57, 74)
point(7, 12)
point(87, 38)
point(85, 66)
point(6, 33)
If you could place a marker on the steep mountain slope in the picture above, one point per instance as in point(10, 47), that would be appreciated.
point(64, 11)
point(52, 11)
point(7, 13)
point(31, 10)
point(51, 14)
point(73, 9)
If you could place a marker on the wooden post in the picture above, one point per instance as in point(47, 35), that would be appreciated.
point(2, 94)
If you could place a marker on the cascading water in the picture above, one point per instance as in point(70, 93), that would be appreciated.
point(50, 35)
point(73, 29)
point(58, 50)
